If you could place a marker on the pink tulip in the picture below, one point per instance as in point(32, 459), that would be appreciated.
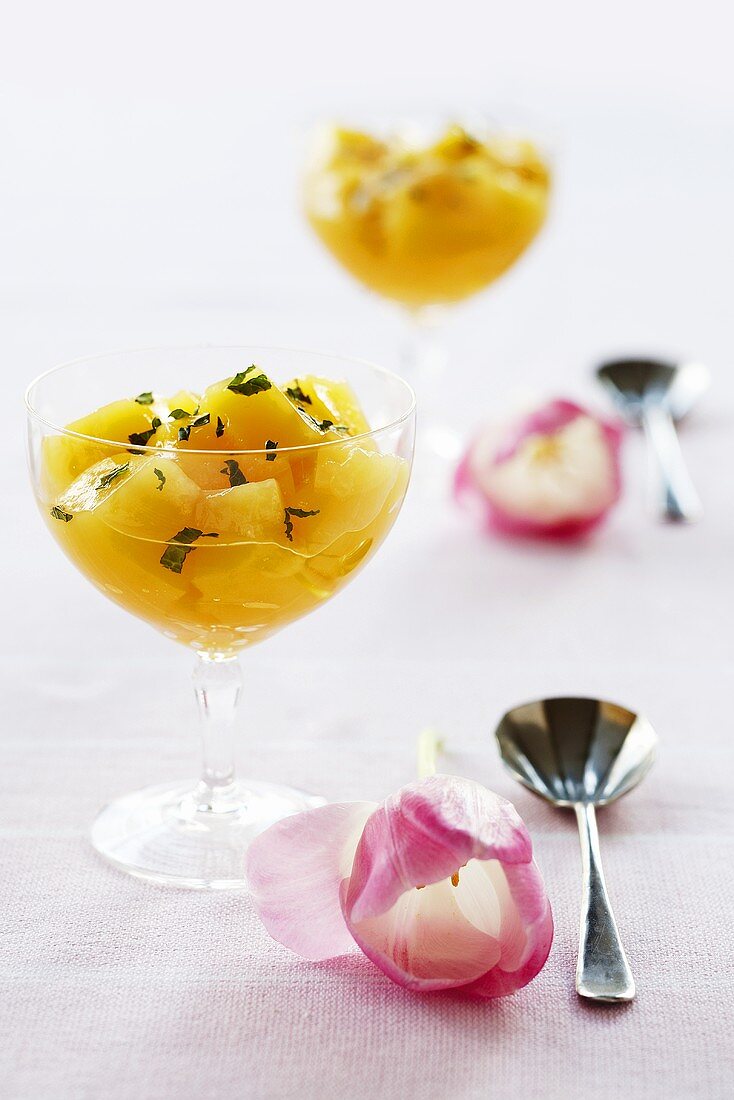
point(553, 474)
point(437, 885)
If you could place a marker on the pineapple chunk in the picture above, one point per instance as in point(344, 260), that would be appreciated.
point(97, 483)
point(65, 457)
point(185, 401)
point(155, 502)
point(250, 414)
point(348, 492)
point(326, 400)
point(252, 512)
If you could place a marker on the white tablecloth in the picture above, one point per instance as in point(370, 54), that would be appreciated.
point(113, 988)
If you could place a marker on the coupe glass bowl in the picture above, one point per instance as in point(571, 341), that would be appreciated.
point(216, 546)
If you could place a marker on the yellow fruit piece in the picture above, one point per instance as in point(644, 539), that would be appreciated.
point(354, 145)
point(349, 489)
point(251, 410)
point(247, 513)
point(97, 483)
point(65, 457)
point(327, 400)
point(155, 501)
point(185, 401)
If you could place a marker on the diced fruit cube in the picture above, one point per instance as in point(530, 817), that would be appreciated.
point(326, 400)
point(183, 402)
point(65, 456)
point(250, 512)
point(250, 410)
point(349, 490)
point(154, 502)
point(97, 483)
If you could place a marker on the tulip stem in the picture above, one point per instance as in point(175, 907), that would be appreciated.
point(430, 747)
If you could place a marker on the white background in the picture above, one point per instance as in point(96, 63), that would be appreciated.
point(148, 194)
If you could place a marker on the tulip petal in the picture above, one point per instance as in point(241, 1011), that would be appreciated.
point(424, 942)
point(424, 833)
point(525, 937)
point(294, 870)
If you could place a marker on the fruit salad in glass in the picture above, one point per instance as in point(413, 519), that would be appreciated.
point(217, 513)
point(426, 212)
point(426, 222)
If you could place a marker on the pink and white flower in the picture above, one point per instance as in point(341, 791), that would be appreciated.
point(436, 885)
point(553, 473)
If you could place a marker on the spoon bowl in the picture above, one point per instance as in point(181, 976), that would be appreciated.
point(581, 753)
point(655, 394)
point(571, 750)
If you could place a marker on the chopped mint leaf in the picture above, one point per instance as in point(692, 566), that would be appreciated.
point(246, 383)
point(174, 556)
point(301, 513)
point(140, 439)
point(191, 534)
point(161, 477)
point(233, 471)
point(270, 446)
point(107, 479)
point(178, 414)
point(321, 425)
point(144, 398)
point(220, 428)
point(296, 394)
point(59, 513)
point(184, 433)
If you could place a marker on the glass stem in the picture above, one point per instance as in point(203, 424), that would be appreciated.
point(423, 362)
point(218, 685)
point(423, 356)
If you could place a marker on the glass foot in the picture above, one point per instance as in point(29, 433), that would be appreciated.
point(180, 835)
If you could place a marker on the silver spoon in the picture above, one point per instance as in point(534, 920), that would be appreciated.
point(583, 753)
point(654, 394)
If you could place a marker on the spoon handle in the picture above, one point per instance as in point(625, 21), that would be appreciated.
point(602, 971)
point(679, 501)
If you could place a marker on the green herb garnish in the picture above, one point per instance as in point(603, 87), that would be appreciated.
point(107, 479)
point(140, 439)
point(144, 398)
point(329, 425)
point(301, 513)
point(59, 513)
point(175, 555)
point(296, 394)
point(270, 446)
point(321, 425)
point(161, 477)
point(233, 471)
point(184, 433)
point(220, 427)
point(246, 383)
point(178, 414)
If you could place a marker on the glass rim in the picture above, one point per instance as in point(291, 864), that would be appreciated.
point(356, 360)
